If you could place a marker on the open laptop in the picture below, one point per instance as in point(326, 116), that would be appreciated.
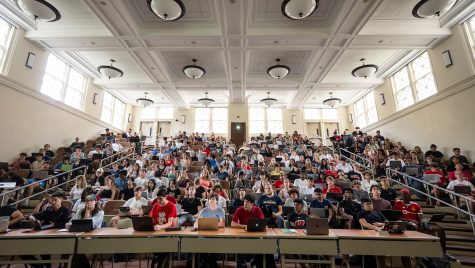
point(81, 225)
point(66, 167)
point(146, 210)
point(393, 164)
point(397, 227)
point(4, 221)
point(38, 226)
point(318, 212)
point(97, 156)
point(462, 189)
point(316, 226)
point(7, 185)
point(391, 214)
point(144, 223)
point(256, 225)
point(431, 178)
point(208, 224)
point(307, 197)
point(412, 171)
point(124, 211)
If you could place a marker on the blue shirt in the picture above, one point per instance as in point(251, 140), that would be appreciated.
point(324, 204)
point(269, 204)
point(120, 183)
point(208, 213)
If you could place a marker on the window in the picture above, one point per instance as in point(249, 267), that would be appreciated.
point(320, 114)
point(471, 32)
point(63, 83)
point(414, 82)
point(6, 33)
point(148, 113)
point(209, 120)
point(263, 120)
point(166, 113)
point(365, 110)
point(113, 110)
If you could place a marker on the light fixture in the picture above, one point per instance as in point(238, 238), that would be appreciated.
point(205, 101)
point(298, 9)
point(110, 71)
point(332, 102)
point(268, 101)
point(167, 9)
point(430, 8)
point(40, 10)
point(194, 71)
point(278, 71)
point(364, 70)
point(144, 102)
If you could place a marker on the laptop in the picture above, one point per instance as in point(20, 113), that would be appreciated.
point(334, 196)
point(4, 221)
point(391, 214)
point(462, 189)
point(431, 178)
point(7, 185)
point(307, 197)
point(393, 164)
point(38, 226)
point(208, 224)
point(144, 223)
point(256, 225)
point(97, 156)
point(316, 226)
point(84, 162)
point(81, 225)
point(124, 211)
point(412, 171)
point(396, 227)
point(318, 212)
point(146, 210)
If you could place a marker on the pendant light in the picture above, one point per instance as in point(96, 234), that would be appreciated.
point(278, 71)
point(167, 9)
point(110, 71)
point(40, 10)
point(144, 102)
point(268, 101)
point(332, 102)
point(364, 70)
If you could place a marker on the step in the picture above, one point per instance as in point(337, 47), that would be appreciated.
point(463, 250)
point(464, 261)
point(463, 238)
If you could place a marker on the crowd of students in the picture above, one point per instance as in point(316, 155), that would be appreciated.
point(210, 177)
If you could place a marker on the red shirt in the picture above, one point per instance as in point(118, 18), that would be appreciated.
point(332, 173)
point(278, 183)
point(169, 162)
point(466, 174)
point(161, 214)
point(408, 211)
point(443, 181)
point(241, 215)
point(169, 198)
point(206, 151)
point(334, 189)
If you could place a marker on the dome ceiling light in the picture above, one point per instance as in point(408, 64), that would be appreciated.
point(40, 10)
point(110, 71)
point(278, 71)
point(144, 102)
point(430, 8)
point(194, 71)
point(167, 9)
point(364, 70)
point(298, 9)
point(205, 101)
point(268, 101)
point(332, 102)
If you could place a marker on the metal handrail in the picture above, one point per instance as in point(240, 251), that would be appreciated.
point(115, 154)
point(358, 156)
point(110, 164)
point(42, 180)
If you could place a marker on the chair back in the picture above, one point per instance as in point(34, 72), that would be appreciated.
point(111, 207)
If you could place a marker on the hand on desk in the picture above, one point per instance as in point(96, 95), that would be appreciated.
point(157, 227)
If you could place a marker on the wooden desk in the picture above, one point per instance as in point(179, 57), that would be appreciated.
point(30, 242)
point(369, 242)
point(299, 243)
point(113, 240)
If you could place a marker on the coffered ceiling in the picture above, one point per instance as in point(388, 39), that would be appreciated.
point(236, 41)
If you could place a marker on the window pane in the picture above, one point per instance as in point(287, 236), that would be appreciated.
point(401, 78)
point(76, 80)
point(330, 114)
point(311, 114)
point(257, 127)
point(421, 66)
point(274, 114)
point(361, 120)
point(220, 127)
point(425, 87)
point(6, 30)
point(404, 98)
point(107, 106)
point(256, 113)
point(202, 113)
point(56, 67)
point(372, 115)
point(52, 87)
point(275, 126)
point(220, 120)
point(257, 118)
point(202, 126)
point(118, 116)
point(73, 98)
point(220, 114)
point(148, 113)
point(166, 113)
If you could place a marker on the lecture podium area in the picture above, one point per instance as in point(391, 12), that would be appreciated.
point(291, 245)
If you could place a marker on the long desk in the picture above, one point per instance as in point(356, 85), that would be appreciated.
point(225, 240)
point(30, 242)
point(369, 242)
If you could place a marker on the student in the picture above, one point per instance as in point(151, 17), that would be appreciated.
point(297, 219)
point(387, 192)
point(378, 202)
point(358, 192)
point(331, 187)
point(239, 200)
point(348, 208)
point(321, 202)
point(45, 202)
point(135, 204)
point(191, 204)
point(78, 188)
point(57, 214)
point(368, 218)
point(294, 195)
point(367, 182)
point(141, 180)
point(91, 210)
point(271, 205)
point(163, 215)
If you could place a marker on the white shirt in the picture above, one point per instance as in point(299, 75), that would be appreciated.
point(454, 183)
point(135, 204)
point(140, 162)
point(117, 147)
point(328, 157)
point(300, 183)
point(141, 182)
point(76, 192)
point(365, 185)
point(346, 167)
point(402, 162)
point(306, 190)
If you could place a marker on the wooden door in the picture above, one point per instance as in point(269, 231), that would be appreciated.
point(238, 133)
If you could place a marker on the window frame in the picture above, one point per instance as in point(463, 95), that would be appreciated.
point(366, 109)
point(110, 120)
point(9, 39)
point(265, 121)
point(211, 121)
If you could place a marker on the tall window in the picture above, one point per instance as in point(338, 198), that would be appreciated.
point(263, 120)
point(166, 113)
point(209, 120)
point(365, 110)
point(113, 110)
point(63, 83)
point(471, 32)
point(414, 82)
point(148, 113)
point(320, 114)
point(6, 33)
